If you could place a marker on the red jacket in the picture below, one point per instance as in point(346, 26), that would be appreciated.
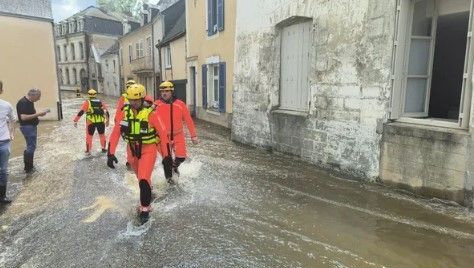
point(153, 120)
point(119, 107)
point(180, 114)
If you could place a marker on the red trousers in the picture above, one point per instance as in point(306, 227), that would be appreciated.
point(144, 166)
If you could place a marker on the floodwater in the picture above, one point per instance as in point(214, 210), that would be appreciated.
point(233, 206)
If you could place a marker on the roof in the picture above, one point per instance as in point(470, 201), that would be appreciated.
point(112, 50)
point(178, 30)
point(175, 21)
point(96, 12)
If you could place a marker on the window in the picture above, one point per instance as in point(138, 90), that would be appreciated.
point(214, 84)
point(58, 49)
point(130, 53)
point(68, 79)
point(81, 50)
point(114, 67)
point(121, 56)
point(73, 52)
point(148, 47)
point(74, 76)
point(213, 91)
point(65, 52)
point(215, 16)
point(139, 49)
point(430, 66)
point(294, 66)
point(72, 27)
point(167, 57)
point(106, 66)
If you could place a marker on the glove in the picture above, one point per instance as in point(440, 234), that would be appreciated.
point(168, 165)
point(110, 160)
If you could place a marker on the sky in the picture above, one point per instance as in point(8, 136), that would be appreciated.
point(65, 8)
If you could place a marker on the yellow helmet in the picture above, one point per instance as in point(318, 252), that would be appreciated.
point(92, 92)
point(135, 92)
point(167, 85)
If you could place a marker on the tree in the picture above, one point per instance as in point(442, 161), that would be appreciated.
point(131, 7)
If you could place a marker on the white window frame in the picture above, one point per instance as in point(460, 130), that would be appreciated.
point(65, 52)
point(212, 78)
point(168, 62)
point(81, 50)
point(148, 43)
point(139, 49)
point(404, 17)
point(73, 51)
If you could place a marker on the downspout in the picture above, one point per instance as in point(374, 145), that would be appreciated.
point(87, 58)
point(153, 55)
point(59, 103)
point(158, 46)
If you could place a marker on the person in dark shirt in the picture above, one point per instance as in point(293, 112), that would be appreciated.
point(28, 118)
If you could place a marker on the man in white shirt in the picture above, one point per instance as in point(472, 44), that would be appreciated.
point(6, 135)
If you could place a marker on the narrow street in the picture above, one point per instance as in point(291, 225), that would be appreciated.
point(233, 206)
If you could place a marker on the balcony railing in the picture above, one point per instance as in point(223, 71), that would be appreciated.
point(141, 65)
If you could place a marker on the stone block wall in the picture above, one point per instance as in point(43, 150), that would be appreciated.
point(350, 81)
point(427, 160)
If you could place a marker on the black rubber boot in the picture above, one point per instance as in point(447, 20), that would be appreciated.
point(144, 217)
point(25, 160)
point(3, 196)
point(28, 158)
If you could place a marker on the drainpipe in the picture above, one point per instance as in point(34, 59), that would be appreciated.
point(87, 48)
point(59, 103)
point(158, 46)
point(153, 55)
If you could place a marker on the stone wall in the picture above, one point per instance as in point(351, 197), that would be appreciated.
point(427, 160)
point(350, 81)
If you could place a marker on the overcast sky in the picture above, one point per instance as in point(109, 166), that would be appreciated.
point(65, 8)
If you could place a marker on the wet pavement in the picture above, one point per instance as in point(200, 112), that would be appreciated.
point(233, 206)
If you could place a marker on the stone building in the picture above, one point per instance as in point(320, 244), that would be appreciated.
point(374, 89)
point(80, 41)
point(109, 61)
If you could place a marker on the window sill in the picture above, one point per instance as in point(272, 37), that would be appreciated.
point(444, 123)
point(214, 112)
point(291, 112)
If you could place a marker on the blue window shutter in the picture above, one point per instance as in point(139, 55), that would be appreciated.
point(222, 83)
point(204, 86)
point(220, 15)
point(210, 23)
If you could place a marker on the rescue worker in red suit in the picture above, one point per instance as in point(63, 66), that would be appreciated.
point(174, 112)
point(143, 131)
point(97, 117)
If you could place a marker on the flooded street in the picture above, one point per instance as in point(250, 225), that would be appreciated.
point(233, 206)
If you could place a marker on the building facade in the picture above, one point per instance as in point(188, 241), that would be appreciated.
point(80, 40)
point(210, 39)
point(28, 33)
point(172, 48)
point(111, 71)
point(377, 90)
point(136, 52)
